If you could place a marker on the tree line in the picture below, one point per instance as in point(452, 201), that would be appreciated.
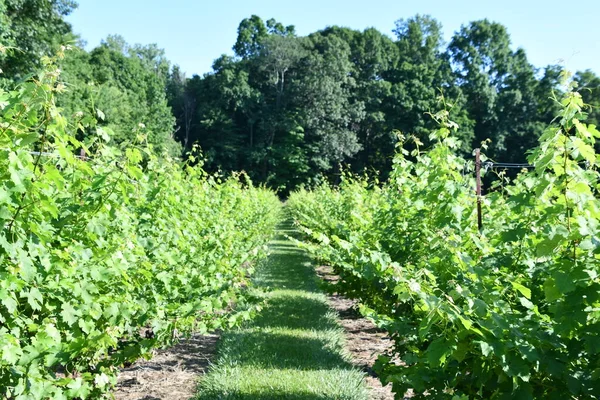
point(290, 110)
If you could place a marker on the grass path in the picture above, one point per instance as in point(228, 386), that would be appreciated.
point(293, 349)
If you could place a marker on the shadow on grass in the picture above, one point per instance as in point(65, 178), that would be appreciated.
point(236, 395)
point(295, 312)
point(288, 270)
point(275, 350)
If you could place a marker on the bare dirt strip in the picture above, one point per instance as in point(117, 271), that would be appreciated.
point(364, 341)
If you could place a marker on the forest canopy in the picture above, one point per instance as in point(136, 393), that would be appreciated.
point(290, 110)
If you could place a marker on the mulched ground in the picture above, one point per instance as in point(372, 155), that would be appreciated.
point(171, 374)
point(364, 340)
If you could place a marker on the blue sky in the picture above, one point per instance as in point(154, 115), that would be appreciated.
point(194, 33)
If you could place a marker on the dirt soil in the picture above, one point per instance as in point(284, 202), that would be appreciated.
point(171, 374)
point(364, 340)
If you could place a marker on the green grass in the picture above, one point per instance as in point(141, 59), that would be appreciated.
point(293, 349)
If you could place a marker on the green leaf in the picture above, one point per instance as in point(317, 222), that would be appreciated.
point(135, 172)
point(461, 351)
point(438, 351)
point(480, 308)
point(546, 247)
point(564, 282)
point(86, 325)
point(526, 303)
point(486, 348)
point(78, 388)
point(102, 133)
point(11, 352)
point(69, 314)
point(8, 301)
point(26, 139)
point(551, 291)
point(585, 150)
point(4, 196)
point(521, 289)
point(34, 298)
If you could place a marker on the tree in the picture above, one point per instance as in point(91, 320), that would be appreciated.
point(223, 123)
point(183, 104)
point(251, 32)
point(518, 121)
point(422, 75)
point(126, 88)
point(505, 99)
point(277, 55)
point(548, 89)
point(152, 58)
point(290, 109)
point(372, 56)
point(32, 28)
point(480, 52)
point(323, 92)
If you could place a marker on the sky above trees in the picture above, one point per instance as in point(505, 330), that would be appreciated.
point(195, 33)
